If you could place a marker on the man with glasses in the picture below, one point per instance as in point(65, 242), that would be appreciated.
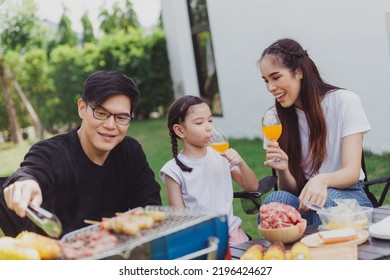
point(91, 172)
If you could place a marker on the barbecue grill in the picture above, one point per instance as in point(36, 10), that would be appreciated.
point(184, 234)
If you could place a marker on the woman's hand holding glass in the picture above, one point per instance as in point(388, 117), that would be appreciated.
point(272, 130)
point(272, 152)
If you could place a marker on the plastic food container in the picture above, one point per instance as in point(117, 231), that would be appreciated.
point(342, 217)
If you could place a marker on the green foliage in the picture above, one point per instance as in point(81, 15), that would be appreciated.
point(88, 35)
point(145, 60)
point(36, 84)
point(52, 73)
point(30, 71)
point(65, 34)
point(154, 79)
point(19, 27)
point(121, 51)
point(119, 19)
point(14, 62)
point(68, 76)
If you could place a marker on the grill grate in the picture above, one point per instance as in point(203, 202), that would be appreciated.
point(175, 220)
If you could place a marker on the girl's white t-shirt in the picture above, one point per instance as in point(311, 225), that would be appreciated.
point(209, 185)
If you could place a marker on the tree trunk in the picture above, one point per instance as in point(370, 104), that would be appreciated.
point(16, 135)
point(29, 107)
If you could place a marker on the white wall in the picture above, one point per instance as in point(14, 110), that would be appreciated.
point(180, 50)
point(347, 39)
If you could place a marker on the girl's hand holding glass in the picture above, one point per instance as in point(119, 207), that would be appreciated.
point(233, 157)
point(220, 143)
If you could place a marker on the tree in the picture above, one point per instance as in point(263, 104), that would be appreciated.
point(67, 74)
point(52, 76)
point(20, 28)
point(88, 35)
point(65, 34)
point(129, 16)
point(16, 136)
point(19, 31)
point(119, 19)
point(154, 82)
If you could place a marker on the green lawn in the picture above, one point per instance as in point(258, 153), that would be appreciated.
point(153, 135)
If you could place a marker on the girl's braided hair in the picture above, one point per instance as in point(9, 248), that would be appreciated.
point(176, 115)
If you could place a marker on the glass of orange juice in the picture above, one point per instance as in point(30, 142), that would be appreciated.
point(272, 128)
point(219, 141)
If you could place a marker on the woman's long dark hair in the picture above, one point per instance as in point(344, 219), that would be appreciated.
point(290, 54)
point(176, 115)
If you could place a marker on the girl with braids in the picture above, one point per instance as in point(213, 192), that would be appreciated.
point(198, 176)
point(322, 136)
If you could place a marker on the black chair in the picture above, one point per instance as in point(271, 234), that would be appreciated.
point(2, 181)
point(369, 183)
point(251, 201)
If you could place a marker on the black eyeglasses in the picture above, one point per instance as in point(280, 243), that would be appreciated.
point(102, 115)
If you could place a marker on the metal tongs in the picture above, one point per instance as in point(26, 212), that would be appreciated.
point(45, 220)
point(313, 206)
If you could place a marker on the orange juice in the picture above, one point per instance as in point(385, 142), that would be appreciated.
point(272, 132)
point(220, 146)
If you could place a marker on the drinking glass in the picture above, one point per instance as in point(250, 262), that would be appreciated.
point(219, 141)
point(272, 128)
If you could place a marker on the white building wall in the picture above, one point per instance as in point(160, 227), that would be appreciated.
point(348, 40)
point(180, 51)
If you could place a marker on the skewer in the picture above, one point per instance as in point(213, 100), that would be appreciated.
point(91, 222)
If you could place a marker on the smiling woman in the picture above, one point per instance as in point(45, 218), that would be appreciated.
point(322, 135)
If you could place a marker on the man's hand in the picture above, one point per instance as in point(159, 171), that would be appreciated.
point(22, 193)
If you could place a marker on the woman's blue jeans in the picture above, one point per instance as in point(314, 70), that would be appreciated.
point(356, 191)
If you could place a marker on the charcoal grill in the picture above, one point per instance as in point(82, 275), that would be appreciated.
point(184, 234)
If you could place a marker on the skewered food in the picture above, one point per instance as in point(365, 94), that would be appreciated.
point(47, 248)
point(158, 216)
point(255, 252)
point(132, 222)
point(300, 251)
point(15, 249)
point(275, 252)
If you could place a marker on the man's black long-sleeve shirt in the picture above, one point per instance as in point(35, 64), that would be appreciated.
point(75, 188)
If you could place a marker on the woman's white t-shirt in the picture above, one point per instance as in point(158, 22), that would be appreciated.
point(344, 115)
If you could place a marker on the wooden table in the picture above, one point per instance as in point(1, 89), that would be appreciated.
point(372, 249)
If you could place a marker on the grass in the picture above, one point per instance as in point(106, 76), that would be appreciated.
point(153, 135)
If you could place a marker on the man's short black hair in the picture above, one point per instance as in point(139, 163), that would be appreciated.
point(101, 85)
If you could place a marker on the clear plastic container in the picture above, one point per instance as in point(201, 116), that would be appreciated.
point(341, 217)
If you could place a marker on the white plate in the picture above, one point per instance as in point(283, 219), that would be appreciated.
point(381, 229)
point(314, 240)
